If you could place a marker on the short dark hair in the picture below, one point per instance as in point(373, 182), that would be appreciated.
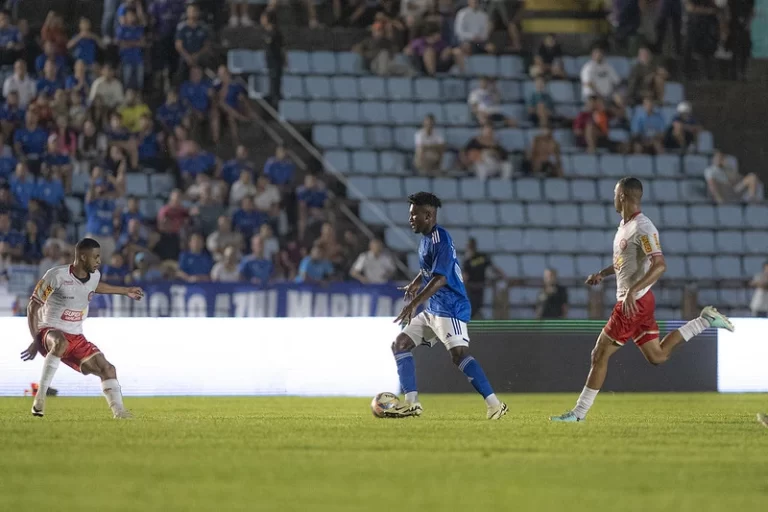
point(632, 186)
point(87, 244)
point(271, 17)
point(425, 199)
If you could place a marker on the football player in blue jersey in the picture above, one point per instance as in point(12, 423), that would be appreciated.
point(439, 287)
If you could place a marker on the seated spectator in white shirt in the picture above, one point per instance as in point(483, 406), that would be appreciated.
point(485, 103)
point(108, 88)
point(374, 266)
point(243, 187)
point(228, 269)
point(22, 83)
point(473, 29)
point(598, 78)
point(430, 147)
point(726, 185)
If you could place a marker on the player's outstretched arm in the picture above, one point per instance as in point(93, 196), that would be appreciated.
point(595, 279)
point(133, 292)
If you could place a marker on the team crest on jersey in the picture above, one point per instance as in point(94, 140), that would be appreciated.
point(646, 243)
point(45, 293)
point(623, 244)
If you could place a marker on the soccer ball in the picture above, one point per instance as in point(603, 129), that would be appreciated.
point(383, 402)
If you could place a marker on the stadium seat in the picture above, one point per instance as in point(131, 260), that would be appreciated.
point(563, 264)
point(620, 64)
point(374, 112)
point(258, 86)
point(298, 63)
point(500, 189)
point(80, 182)
point(404, 138)
point(457, 114)
point(380, 137)
point(514, 110)
point(511, 139)
point(471, 189)
point(613, 165)
point(373, 88)
point(586, 165)
point(427, 89)
point(561, 91)
point(389, 188)
point(700, 242)
point(347, 112)
point(753, 265)
point(508, 263)
point(149, 207)
point(482, 65)
point(673, 93)
point(593, 215)
point(730, 216)
point(361, 187)
point(446, 188)
point(732, 298)
point(668, 165)
point(651, 211)
point(556, 190)
point(456, 214)
point(373, 213)
point(586, 265)
point(591, 241)
point(605, 189)
point(533, 265)
point(509, 240)
point(398, 212)
point(511, 214)
point(578, 297)
point(293, 87)
point(400, 240)
point(702, 216)
point(317, 87)
point(511, 66)
point(510, 92)
point(695, 165)
point(729, 242)
point(245, 61)
point(483, 214)
point(339, 161)
point(567, 215)
point(675, 242)
point(756, 242)
point(403, 113)
point(161, 184)
point(540, 214)
point(537, 240)
point(728, 267)
point(523, 295)
point(364, 162)
point(564, 240)
point(528, 189)
point(399, 89)
point(485, 237)
point(295, 111)
point(454, 89)
point(352, 137)
point(349, 63)
point(323, 63)
point(345, 88)
point(460, 237)
point(756, 216)
point(321, 112)
point(669, 295)
point(571, 66)
point(75, 207)
point(391, 162)
point(706, 142)
point(325, 136)
point(676, 267)
point(423, 109)
point(639, 166)
point(664, 191)
point(415, 184)
point(583, 190)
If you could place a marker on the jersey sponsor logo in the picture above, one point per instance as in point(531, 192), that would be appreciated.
point(623, 244)
point(72, 316)
point(656, 241)
point(646, 243)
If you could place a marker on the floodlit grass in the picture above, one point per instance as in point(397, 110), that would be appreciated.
point(638, 452)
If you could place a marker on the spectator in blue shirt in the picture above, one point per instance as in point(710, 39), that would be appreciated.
point(684, 130)
point(315, 268)
point(11, 241)
point(33, 242)
point(118, 135)
point(255, 267)
point(56, 161)
point(647, 128)
point(165, 16)
point(132, 241)
point(192, 40)
point(197, 162)
point(11, 115)
point(130, 212)
point(151, 145)
point(49, 188)
point(116, 271)
point(79, 81)
point(247, 219)
point(312, 198)
point(99, 215)
point(280, 170)
point(22, 185)
point(195, 265)
point(234, 104)
point(122, 13)
point(85, 45)
point(230, 173)
point(198, 96)
point(29, 141)
point(130, 38)
point(49, 53)
point(11, 41)
point(171, 113)
point(7, 166)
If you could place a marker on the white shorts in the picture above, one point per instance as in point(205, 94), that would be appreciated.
point(427, 329)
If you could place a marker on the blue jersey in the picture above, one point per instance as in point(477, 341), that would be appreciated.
point(437, 256)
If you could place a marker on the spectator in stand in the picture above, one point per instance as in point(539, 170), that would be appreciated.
point(99, 213)
point(238, 14)
point(226, 270)
point(378, 53)
point(49, 83)
point(119, 136)
point(130, 39)
point(315, 269)
point(91, 144)
point(117, 271)
point(217, 189)
point(50, 53)
point(270, 242)
point(206, 210)
point(591, 126)
point(233, 102)
point(684, 131)
point(40, 216)
point(9, 205)
point(29, 142)
point(548, 60)
point(541, 106)
point(51, 256)
point(740, 17)
point(195, 265)
point(133, 241)
point(171, 113)
point(646, 78)
point(648, 129)
point(192, 41)
point(598, 78)
point(197, 162)
point(31, 44)
point(414, 13)
point(11, 115)
point(354, 13)
point(7, 165)
point(374, 266)
point(430, 148)
point(59, 105)
point(266, 198)
point(726, 185)
point(22, 185)
point(509, 13)
point(280, 170)
point(243, 187)
point(109, 20)
point(275, 56)
point(132, 110)
point(431, 54)
point(485, 156)
point(232, 169)
point(54, 33)
point(669, 11)
point(107, 88)
point(129, 213)
point(85, 45)
point(22, 84)
point(552, 303)
point(476, 265)
point(33, 243)
point(11, 241)
point(485, 102)
point(702, 35)
point(543, 158)
point(165, 16)
point(223, 237)
point(173, 216)
point(473, 29)
point(11, 41)
point(312, 198)
point(151, 144)
point(199, 98)
point(247, 219)
point(66, 137)
point(330, 245)
point(56, 162)
point(256, 268)
point(759, 303)
point(146, 271)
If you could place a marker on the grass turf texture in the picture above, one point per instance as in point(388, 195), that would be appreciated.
point(636, 452)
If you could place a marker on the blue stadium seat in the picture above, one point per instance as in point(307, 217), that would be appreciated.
point(339, 160)
point(668, 165)
point(673, 93)
point(756, 242)
point(352, 137)
point(379, 137)
point(258, 86)
point(728, 267)
point(651, 211)
point(415, 184)
point(510, 92)
point(620, 64)
point(482, 65)
point(593, 215)
point(510, 139)
point(456, 214)
point(586, 165)
point(511, 66)
point(753, 265)
point(398, 212)
point(427, 89)
point(730, 216)
point(694, 191)
point(733, 298)
point(374, 112)
point(404, 138)
point(295, 111)
point(245, 61)
point(523, 295)
point(702, 216)
point(345, 88)
point(321, 112)
point(457, 113)
point(399, 89)
point(373, 88)
point(422, 110)
point(483, 214)
point(590, 242)
point(322, 63)
point(500, 189)
point(397, 241)
point(486, 239)
point(403, 113)
point(564, 137)
point(149, 207)
point(613, 165)
point(583, 190)
point(676, 268)
point(695, 165)
point(540, 214)
point(373, 213)
point(533, 265)
point(700, 242)
point(706, 142)
point(567, 215)
point(364, 162)
point(511, 214)
point(756, 216)
point(391, 162)
point(618, 135)
point(537, 240)
point(664, 191)
point(675, 242)
point(458, 137)
point(564, 240)
point(639, 166)
point(509, 240)
point(161, 184)
point(528, 189)
point(325, 136)
point(586, 265)
point(347, 112)
point(293, 87)
point(571, 66)
point(578, 296)
point(701, 267)
point(75, 207)
point(454, 89)
point(514, 111)
point(446, 188)
point(349, 63)
point(563, 264)
point(561, 91)
point(317, 87)
point(508, 263)
point(389, 188)
point(472, 189)
point(729, 242)
point(669, 295)
point(137, 184)
point(360, 187)
point(556, 190)
point(298, 63)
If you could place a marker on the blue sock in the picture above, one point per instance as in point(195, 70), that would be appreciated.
point(406, 369)
point(476, 376)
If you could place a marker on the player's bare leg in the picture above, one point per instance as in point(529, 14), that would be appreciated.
point(56, 345)
point(99, 366)
point(471, 368)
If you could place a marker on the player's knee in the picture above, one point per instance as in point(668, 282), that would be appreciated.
point(458, 354)
point(599, 357)
point(657, 359)
point(58, 343)
point(403, 343)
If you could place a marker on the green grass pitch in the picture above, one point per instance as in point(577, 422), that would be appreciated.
point(636, 452)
